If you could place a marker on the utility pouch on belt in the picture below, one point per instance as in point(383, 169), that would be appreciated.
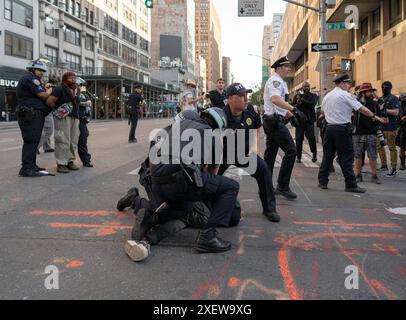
point(193, 175)
point(270, 121)
point(26, 113)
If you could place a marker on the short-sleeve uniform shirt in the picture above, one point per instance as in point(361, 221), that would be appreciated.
point(275, 86)
point(27, 89)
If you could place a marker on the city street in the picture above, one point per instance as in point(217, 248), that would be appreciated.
point(70, 221)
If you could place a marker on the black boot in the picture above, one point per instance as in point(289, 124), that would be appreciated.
point(128, 199)
point(208, 241)
point(402, 163)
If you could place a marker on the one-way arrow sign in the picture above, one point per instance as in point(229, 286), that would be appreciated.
point(318, 47)
point(250, 8)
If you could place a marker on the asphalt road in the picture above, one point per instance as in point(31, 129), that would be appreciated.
point(70, 221)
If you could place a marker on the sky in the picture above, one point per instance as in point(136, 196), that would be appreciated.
point(242, 36)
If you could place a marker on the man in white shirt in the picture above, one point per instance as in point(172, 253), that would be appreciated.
point(337, 107)
point(187, 100)
point(278, 112)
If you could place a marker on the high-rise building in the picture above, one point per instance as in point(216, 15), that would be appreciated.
point(368, 54)
point(173, 34)
point(208, 39)
point(226, 67)
point(270, 38)
point(19, 44)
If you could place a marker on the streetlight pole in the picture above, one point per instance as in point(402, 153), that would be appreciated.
point(322, 11)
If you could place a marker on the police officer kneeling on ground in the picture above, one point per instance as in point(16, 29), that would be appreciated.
point(242, 116)
point(178, 184)
point(337, 107)
point(277, 113)
point(31, 112)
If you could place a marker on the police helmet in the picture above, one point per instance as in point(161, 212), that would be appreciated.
point(80, 81)
point(299, 119)
point(186, 115)
point(218, 115)
point(37, 64)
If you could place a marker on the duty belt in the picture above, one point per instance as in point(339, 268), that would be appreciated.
point(173, 178)
point(340, 125)
point(273, 117)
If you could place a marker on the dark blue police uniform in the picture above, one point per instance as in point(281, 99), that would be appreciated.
point(249, 119)
point(134, 101)
point(84, 115)
point(31, 112)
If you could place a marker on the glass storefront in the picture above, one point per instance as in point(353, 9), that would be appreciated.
point(8, 87)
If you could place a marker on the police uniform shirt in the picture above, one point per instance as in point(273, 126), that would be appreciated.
point(135, 99)
point(218, 99)
point(27, 89)
point(249, 119)
point(338, 106)
point(275, 86)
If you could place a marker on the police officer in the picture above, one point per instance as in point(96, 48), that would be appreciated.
point(31, 112)
point(134, 101)
point(276, 112)
point(218, 96)
point(85, 105)
point(242, 116)
point(179, 184)
point(337, 107)
point(306, 101)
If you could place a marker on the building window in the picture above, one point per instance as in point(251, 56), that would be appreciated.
point(395, 12)
point(109, 68)
point(379, 65)
point(129, 55)
point(376, 23)
point(110, 24)
point(72, 60)
point(71, 35)
point(50, 28)
point(144, 44)
point(18, 46)
point(18, 12)
point(110, 46)
point(52, 54)
point(144, 61)
point(364, 31)
point(89, 66)
point(77, 9)
point(129, 35)
point(89, 43)
point(129, 73)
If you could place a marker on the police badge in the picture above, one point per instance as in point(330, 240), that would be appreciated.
point(248, 121)
point(36, 82)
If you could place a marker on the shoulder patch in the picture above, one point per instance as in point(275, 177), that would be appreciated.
point(276, 84)
point(36, 82)
point(249, 121)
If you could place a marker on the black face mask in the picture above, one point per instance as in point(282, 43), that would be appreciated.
point(386, 91)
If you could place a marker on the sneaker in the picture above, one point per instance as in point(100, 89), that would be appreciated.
point(359, 178)
point(272, 216)
point(128, 199)
point(137, 250)
point(49, 150)
point(288, 194)
point(72, 166)
point(392, 173)
point(62, 169)
point(322, 186)
point(88, 164)
point(375, 179)
point(383, 168)
point(356, 190)
point(144, 221)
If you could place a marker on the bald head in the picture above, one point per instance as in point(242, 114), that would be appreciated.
point(306, 87)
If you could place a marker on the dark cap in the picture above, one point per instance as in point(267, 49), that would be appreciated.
point(341, 78)
point(137, 86)
point(281, 62)
point(387, 84)
point(236, 89)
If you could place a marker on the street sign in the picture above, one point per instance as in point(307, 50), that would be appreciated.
point(336, 26)
point(318, 47)
point(250, 8)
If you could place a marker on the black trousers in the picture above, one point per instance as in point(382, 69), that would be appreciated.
point(133, 123)
point(220, 191)
point(300, 133)
point(83, 152)
point(337, 139)
point(263, 175)
point(278, 136)
point(31, 131)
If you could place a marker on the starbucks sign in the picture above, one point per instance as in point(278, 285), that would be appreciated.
point(8, 83)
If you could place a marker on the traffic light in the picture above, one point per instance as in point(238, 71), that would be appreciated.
point(149, 4)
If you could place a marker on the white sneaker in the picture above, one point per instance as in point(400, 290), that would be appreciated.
point(137, 250)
